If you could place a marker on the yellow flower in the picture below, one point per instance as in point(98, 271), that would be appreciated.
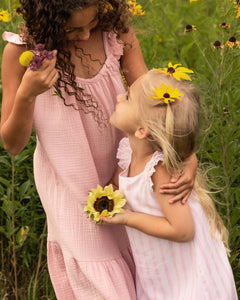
point(104, 202)
point(237, 10)
point(5, 16)
point(166, 94)
point(26, 58)
point(135, 9)
point(107, 7)
point(232, 42)
point(175, 71)
point(192, 1)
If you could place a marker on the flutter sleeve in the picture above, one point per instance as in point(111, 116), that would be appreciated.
point(12, 38)
point(124, 153)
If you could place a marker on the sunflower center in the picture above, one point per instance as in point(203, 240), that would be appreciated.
point(166, 95)
point(103, 203)
point(171, 70)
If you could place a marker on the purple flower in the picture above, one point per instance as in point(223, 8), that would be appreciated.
point(47, 54)
point(39, 47)
point(35, 63)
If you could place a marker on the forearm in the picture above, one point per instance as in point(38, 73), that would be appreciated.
point(160, 227)
point(16, 130)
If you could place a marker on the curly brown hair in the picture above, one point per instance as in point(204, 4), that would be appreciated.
point(45, 22)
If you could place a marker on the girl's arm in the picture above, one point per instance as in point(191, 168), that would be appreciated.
point(181, 186)
point(20, 88)
point(132, 62)
point(177, 225)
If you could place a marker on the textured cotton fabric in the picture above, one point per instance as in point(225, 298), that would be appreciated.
point(72, 156)
point(166, 270)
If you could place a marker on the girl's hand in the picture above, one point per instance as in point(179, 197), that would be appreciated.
point(182, 185)
point(36, 82)
point(118, 218)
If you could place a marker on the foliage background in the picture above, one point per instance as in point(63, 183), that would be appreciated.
point(23, 269)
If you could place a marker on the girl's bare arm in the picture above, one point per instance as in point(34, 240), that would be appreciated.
point(20, 88)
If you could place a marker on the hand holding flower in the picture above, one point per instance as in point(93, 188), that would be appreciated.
point(120, 218)
point(40, 80)
point(41, 73)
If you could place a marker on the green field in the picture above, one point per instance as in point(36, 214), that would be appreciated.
point(163, 39)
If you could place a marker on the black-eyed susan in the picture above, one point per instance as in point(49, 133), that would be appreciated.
point(5, 16)
point(166, 94)
point(232, 41)
point(135, 9)
point(217, 44)
point(189, 28)
point(176, 71)
point(224, 25)
point(104, 202)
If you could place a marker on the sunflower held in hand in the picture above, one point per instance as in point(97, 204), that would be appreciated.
point(104, 202)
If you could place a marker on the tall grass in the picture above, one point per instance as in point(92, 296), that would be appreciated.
point(23, 273)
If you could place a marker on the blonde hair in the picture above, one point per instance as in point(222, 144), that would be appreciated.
point(173, 129)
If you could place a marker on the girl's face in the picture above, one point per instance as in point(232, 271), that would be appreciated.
point(125, 117)
point(79, 25)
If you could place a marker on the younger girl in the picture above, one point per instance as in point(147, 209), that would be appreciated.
point(178, 249)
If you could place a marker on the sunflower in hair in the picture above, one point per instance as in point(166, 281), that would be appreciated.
point(104, 202)
point(166, 94)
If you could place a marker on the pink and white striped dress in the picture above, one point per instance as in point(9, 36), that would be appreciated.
point(167, 270)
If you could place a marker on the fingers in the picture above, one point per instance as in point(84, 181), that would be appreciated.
point(183, 197)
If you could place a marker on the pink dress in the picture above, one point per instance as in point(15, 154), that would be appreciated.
point(73, 155)
point(166, 270)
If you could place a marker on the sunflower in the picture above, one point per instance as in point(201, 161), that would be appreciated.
point(175, 71)
point(104, 202)
point(166, 94)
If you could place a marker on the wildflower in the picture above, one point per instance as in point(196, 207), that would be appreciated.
point(233, 42)
point(135, 9)
point(175, 71)
point(166, 94)
point(104, 202)
point(5, 16)
point(107, 7)
point(218, 44)
point(224, 25)
point(26, 58)
point(237, 10)
point(192, 1)
point(34, 58)
point(189, 28)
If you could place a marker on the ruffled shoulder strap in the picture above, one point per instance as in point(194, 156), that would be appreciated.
point(12, 38)
point(124, 153)
point(112, 45)
point(150, 167)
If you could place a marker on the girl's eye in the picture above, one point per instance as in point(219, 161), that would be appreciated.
point(127, 96)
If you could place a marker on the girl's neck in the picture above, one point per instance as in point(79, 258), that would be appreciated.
point(142, 152)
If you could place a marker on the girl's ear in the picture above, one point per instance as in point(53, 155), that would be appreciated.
point(142, 132)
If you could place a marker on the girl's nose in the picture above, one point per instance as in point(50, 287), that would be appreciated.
point(84, 34)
